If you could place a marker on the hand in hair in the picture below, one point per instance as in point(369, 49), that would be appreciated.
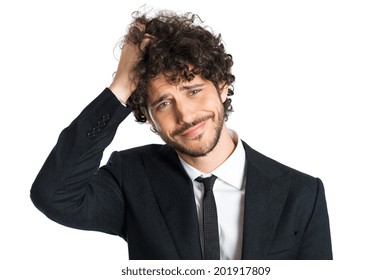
point(125, 79)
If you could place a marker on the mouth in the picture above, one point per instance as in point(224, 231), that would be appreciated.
point(194, 131)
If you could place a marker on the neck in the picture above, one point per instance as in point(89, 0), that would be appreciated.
point(216, 157)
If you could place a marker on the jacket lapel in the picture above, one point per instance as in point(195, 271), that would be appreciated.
point(170, 189)
point(264, 201)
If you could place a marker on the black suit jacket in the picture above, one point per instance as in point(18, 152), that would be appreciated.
point(145, 196)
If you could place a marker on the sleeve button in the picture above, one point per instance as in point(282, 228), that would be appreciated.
point(106, 117)
point(90, 135)
point(96, 129)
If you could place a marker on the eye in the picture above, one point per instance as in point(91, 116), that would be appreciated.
point(163, 104)
point(195, 91)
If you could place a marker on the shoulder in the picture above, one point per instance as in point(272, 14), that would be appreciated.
point(151, 160)
point(298, 187)
point(146, 151)
point(277, 171)
point(152, 153)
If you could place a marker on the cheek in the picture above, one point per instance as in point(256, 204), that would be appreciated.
point(215, 104)
point(161, 124)
point(211, 100)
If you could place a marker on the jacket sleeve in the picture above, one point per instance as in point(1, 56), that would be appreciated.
point(70, 188)
point(316, 244)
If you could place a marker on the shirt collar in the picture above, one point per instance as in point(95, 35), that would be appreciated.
point(231, 171)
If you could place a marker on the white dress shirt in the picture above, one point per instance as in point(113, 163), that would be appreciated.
point(229, 192)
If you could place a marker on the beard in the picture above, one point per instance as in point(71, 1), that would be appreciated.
point(205, 147)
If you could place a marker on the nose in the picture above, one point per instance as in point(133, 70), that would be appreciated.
point(185, 111)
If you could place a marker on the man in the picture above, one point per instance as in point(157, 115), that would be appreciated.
point(205, 194)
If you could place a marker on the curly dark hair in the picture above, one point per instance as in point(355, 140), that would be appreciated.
point(177, 42)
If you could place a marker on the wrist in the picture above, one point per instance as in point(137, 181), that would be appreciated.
point(121, 90)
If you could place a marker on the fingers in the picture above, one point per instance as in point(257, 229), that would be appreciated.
point(145, 42)
point(135, 43)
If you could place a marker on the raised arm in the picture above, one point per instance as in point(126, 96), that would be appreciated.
point(70, 188)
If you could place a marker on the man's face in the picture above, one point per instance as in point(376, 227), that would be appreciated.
point(188, 116)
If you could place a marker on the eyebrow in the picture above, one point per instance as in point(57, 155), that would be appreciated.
point(159, 100)
point(186, 87)
point(183, 87)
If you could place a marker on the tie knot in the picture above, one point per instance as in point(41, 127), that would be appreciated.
point(208, 182)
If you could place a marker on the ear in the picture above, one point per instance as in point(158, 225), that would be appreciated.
point(224, 90)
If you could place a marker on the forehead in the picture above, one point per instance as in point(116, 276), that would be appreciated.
point(158, 83)
point(163, 81)
point(162, 85)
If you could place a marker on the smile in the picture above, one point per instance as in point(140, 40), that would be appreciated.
point(194, 131)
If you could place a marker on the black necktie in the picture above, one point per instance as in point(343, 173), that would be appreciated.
point(210, 220)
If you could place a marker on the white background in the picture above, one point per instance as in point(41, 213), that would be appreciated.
point(313, 87)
